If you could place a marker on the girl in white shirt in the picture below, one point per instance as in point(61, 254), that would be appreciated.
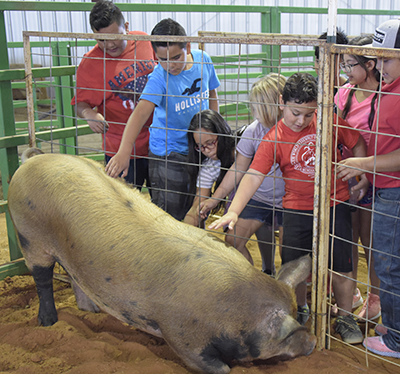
point(211, 154)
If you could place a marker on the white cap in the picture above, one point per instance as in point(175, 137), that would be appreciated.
point(387, 35)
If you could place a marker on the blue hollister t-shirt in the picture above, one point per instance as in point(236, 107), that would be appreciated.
point(187, 94)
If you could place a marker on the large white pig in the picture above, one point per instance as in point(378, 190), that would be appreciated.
point(137, 263)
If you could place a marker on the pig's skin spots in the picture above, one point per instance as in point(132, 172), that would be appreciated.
point(150, 322)
point(224, 349)
point(221, 350)
point(108, 279)
point(24, 242)
point(128, 318)
point(31, 205)
point(252, 342)
point(129, 204)
point(133, 303)
point(112, 247)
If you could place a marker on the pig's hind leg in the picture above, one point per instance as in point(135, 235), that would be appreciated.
point(43, 277)
point(82, 300)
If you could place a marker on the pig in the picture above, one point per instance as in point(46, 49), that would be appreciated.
point(129, 258)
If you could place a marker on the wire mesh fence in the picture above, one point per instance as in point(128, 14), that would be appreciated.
point(315, 200)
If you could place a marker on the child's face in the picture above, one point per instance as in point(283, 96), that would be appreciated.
point(206, 143)
point(297, 116)
point(113, 47)
point(173, 59)
point(390, 69)
point(354, 70)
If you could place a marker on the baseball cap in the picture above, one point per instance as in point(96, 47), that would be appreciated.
point(387, 35)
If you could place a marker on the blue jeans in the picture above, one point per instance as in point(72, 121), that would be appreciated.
point(386, 238)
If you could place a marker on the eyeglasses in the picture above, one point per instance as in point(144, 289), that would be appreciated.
point(347, 67)
point(209, 146)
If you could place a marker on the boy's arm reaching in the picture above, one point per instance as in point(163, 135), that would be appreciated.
point(214, 100)
point(247, 187)
point(120, 162)
point(94, 119)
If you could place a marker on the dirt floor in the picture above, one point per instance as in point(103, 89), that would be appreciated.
point(87, 343)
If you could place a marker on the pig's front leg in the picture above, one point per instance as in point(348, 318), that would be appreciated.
point(83, 301)
point(43, 277)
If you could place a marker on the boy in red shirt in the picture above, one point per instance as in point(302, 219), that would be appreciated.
point(291, 144)
point(111, 78)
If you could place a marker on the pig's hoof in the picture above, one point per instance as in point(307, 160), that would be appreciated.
point(47, 320)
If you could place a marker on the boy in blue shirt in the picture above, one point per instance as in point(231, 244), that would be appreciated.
point(182, 84)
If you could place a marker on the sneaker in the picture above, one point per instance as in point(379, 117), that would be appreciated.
point(380, 330)
point(377, 345)
point(348, 329)
point(303, 314)
point(373, 304)
point(357, 301)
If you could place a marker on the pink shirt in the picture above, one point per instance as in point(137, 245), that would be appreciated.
point(358, 114)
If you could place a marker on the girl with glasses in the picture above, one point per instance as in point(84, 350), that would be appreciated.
point(211, 154)
point(260, 214)
point(356, 102)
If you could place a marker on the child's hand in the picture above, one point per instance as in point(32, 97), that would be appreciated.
point(96, 121)
point(205, 207)
point(229, 219)
point(117, 164)
point(361, 188)
point(350, 167)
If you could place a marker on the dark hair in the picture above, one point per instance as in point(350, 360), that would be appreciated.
point(362, 60)
point(341, 38)
point(300, 88)
point(212, 121)
point(168, 27)
point(103, 14)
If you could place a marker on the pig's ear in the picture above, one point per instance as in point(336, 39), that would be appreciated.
point(295, 272)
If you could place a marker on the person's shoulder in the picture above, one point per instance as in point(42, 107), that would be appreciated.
point(255, 130)
point(392, 87)
point(199, 54)
point(94, 52)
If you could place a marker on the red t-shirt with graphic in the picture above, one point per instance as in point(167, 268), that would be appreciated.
point(114, 86)
point(295, 154)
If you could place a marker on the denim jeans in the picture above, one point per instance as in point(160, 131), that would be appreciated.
point(170, 184)
point(386, 239)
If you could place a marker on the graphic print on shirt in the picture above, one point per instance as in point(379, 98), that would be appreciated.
point(192, 103)
point(193, 89)
point(129, 93)
point(302, 156)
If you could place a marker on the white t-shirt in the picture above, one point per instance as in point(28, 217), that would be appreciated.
point(208, 174)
